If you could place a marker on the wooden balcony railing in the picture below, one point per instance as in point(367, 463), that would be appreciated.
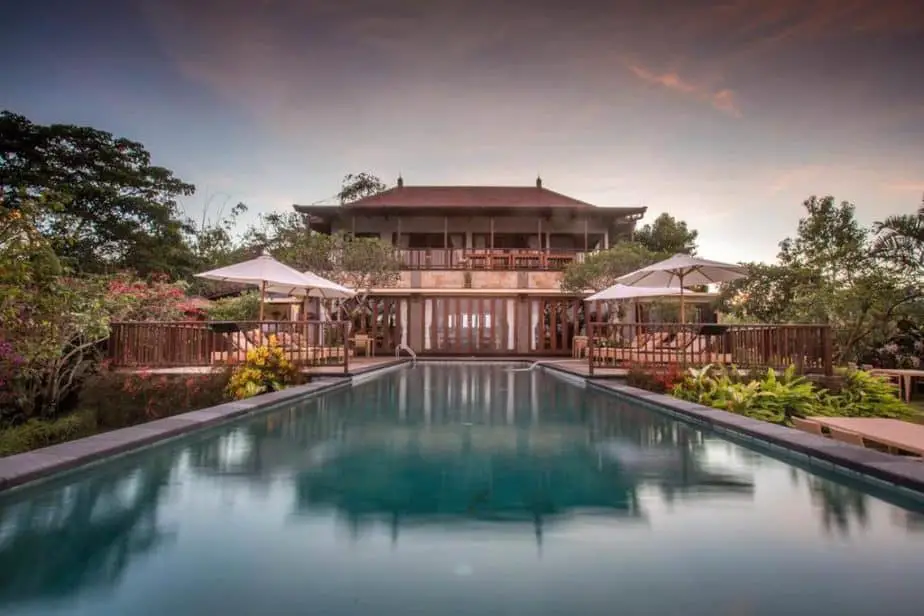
point(808, 347)
point(215, 343)
point(487, 259)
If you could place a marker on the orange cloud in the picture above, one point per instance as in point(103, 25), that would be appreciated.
point(723, 100)
point(905, 186)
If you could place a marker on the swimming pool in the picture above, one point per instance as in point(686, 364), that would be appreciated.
point(456, 489)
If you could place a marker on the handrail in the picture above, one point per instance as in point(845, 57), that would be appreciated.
point(401, 346)
point(530, 368)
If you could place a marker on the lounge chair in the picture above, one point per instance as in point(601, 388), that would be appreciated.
point(806, 425)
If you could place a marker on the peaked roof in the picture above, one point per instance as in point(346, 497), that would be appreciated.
point(469, 196)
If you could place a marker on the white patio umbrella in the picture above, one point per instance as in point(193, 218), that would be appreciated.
point(324, 288)
point(622, 291)
point(682, 271)
point(267, 273)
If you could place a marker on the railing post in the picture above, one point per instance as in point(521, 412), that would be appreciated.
point(590, 347)
point(345, 329)
point(827, 350)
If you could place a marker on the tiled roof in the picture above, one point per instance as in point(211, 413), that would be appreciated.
point(469, 196)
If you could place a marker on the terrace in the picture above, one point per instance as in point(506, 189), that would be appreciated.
point(550, 259)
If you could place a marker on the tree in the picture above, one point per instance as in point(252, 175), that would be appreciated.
point(52, 324)
point(667, 235)
point(601, 269)
point(827, 273)
point(359, 186)
point(900, 241)
point(115, 209)
point(361, 264)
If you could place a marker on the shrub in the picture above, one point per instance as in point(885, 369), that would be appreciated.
point(37, 433)
point(244, 307)
point(659, 379)
point(265, 369)
point(117, 400)
point(867, 395)
point(777, 398)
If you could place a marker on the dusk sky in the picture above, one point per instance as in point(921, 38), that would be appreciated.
point(724, 113)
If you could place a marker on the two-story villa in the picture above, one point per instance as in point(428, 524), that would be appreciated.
point(482, 264)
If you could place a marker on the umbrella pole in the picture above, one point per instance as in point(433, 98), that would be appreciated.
point(262, 297)
point(683, 315)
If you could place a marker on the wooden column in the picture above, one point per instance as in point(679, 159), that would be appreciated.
point(492, 233)
point(353, 226)
point(446, 232)
point(540, 234)
point(398, 240)
point(586, 245)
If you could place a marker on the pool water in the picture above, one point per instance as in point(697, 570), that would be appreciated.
point(457, 489)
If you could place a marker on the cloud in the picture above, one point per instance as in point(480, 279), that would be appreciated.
point(723, 100)
point(905, 186)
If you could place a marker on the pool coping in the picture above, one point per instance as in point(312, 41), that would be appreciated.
point(23, 468)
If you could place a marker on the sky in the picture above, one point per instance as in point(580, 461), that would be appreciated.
point(724, 113)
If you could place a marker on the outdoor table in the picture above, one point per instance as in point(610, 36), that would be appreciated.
point(895, 433)
point(905, 376)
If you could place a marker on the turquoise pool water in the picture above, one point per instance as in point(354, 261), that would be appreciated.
point(457, 489)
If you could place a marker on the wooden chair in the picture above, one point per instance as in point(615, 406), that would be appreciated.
point(806, 425)
point(579, 347)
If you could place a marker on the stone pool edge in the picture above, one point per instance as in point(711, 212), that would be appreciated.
point(23, 468)
point(858, 462)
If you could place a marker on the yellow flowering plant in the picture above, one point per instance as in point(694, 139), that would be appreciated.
point(265, 369)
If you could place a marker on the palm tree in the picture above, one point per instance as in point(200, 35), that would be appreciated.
point(900, 240)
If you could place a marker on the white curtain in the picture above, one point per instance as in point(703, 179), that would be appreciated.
point(534, 326)
point(403, 313)
point(511, 324)
point(428, 322)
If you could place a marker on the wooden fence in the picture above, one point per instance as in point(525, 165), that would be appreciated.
point(165, 344)
point(808, 347)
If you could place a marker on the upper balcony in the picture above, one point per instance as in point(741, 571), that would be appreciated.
point(500, 259)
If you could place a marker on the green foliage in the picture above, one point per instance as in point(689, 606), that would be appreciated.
point(112, 400)
point(667, 235)
point(37, 433)
point(244, 307)
point(899, 242)
point(265, 369)
point(829, 272)
point(118, 400)
point(866, 395)
point(600, 270)
point(115, 209)
point(359, 186)
point(777, 398)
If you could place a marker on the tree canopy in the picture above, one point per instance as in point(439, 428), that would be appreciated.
point(113, 208)
point(600, 269)
point(667, 235)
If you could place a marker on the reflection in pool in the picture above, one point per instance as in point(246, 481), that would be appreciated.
point(456, 490)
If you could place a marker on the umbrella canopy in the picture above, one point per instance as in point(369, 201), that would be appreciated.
point(323, 288)
point(266, 272)
point(682, 271)
point(622, 291)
